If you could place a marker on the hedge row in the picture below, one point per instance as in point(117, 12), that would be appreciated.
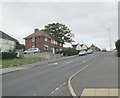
point(69, 51)
point(8, 55)
point(117, 44)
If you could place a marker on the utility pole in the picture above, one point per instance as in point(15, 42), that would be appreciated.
point(109, 39)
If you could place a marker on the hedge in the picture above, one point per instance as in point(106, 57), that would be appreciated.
point(117, 44)
point(69, 51)
point(8, 55)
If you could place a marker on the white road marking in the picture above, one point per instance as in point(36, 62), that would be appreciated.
point(64, 83)
point(59, 87)
point(84, 61)
point(56, 89)
point(52, 92)
point(69, 81)
point(68, 62)
point(53, 64)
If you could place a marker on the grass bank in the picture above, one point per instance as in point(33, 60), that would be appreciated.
point(20, 61)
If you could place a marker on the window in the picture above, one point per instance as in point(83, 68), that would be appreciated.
point(60, 44)
point(52, 41)
point(46, 39)
point(45, 47)
point(56, 42)
point(60, 49)
point(33, 39)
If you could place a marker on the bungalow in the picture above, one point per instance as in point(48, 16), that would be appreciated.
point(7, 43)
point(44, 41)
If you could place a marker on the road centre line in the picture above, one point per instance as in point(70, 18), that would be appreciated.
point(68, 62)
point(55, 89)
point(59, 87)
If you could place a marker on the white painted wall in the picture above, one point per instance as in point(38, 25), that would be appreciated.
point(84, 47)
point(6, 45)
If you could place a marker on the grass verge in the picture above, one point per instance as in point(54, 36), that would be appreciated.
point(20, 61)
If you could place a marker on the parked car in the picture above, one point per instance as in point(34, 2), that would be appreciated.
point(104, 50)
point(81, 53)
point(89, 51)
point(32, 50)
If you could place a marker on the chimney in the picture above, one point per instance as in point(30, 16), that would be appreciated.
point(36, 30)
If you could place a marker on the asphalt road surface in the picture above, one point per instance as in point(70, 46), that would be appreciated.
point(51, 79)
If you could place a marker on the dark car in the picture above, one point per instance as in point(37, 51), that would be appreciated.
point(104, 50)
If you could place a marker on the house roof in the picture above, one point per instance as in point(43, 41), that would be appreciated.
point(81, 47)
point(92, 45)
point(38, 33)
point(6, 36)
point(74, 46)
point(95, 47)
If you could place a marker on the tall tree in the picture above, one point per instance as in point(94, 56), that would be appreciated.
point(59, 32)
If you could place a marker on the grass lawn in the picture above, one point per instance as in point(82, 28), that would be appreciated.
point(20, 61)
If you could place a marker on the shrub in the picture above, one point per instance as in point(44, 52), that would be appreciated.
point(8, 55)
point(69, 51)
point(117, 44)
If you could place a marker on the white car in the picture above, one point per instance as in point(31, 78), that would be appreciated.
point(82, 53)
point(32, 50)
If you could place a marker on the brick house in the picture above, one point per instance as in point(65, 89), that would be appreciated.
point(94, 48)
point(43, 41)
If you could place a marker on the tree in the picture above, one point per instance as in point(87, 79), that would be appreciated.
point(59, 32)
point(117, 44)
point(20, 46)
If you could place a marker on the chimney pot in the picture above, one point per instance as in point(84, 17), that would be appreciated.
point(36, 30)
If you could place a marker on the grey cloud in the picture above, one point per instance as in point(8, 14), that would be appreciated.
point(88, 21)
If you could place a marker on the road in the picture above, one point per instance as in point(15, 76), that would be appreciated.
point(51, 79)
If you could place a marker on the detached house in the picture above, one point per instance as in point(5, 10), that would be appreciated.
point(43, 41)
point(7, 43)
point(80, 47)
point(95, 48)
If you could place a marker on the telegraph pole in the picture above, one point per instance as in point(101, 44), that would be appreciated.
point(109, 39)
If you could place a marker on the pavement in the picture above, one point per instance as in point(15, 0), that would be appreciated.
point(100, 77)
point(100, 92)
point(51, 78)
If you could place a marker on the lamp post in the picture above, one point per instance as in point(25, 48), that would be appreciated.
point(109, 39)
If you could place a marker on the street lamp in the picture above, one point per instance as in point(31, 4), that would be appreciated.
point(109, 39)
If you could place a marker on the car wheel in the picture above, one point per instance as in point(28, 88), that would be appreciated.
point(25, 53)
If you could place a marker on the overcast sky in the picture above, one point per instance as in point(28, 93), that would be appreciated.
point(88, 21)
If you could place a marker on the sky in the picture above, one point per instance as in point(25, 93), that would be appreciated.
point(89, 21)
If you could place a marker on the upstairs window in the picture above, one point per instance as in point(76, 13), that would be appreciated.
point(33, 39)
point(46, 39)
point(60, 44)
point(52, 41)
point(56, 42)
